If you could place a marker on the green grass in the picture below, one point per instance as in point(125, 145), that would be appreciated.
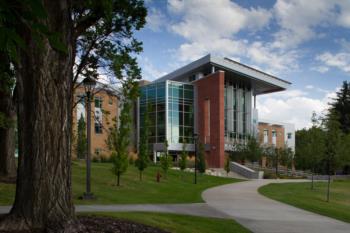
point(300, 195)
point(181, 223)
point(177, 188)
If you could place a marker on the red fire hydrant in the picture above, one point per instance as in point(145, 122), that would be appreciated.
point(158, 176)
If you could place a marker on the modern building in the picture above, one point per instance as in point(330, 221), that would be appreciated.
point(213, 97)
point(278, 134)
point(105, 108)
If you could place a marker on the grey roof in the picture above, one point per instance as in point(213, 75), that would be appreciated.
point(260, 81)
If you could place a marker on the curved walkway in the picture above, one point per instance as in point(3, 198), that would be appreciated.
point(196, 209)
point(262, 215)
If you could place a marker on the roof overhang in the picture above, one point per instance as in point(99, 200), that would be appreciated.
point(260, 82)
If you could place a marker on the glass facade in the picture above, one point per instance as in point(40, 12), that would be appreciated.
point(171, 118)
point(153, 98)
point(237, 111)
point(180, 112)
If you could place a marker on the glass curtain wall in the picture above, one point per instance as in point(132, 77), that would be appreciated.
point(237, 111)
point(153, 98)
point(180, 112)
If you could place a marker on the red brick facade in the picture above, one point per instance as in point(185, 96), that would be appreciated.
point(210, 104)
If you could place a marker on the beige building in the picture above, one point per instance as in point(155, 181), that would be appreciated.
point(278, 134)
point(104, 112)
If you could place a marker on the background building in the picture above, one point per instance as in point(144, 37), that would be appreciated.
point(278, 134)
point(214, 97)
point(105, 108)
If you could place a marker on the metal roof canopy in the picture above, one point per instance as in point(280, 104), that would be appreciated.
point(260, 82)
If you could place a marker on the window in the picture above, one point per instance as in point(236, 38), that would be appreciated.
point(266, 134)
point(98, 128)
point(289, 135)
point(274, 135)
point(98, 102)
point(110, 101)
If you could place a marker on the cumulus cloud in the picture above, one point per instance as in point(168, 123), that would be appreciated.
point(155, 19)
point(338, 60)
point(149, 71)
point(205, 20)
point(211, 27)
point(293, 106)
point(298, 20)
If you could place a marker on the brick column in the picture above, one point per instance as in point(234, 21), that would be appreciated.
point(210, 116)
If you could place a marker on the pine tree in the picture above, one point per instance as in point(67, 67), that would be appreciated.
point(143, 156)
point(183, 157)
point(201, 159)
point(165, 159)
point(227, 165)
point(341, 106)
point(81, 146)
point(332, 147)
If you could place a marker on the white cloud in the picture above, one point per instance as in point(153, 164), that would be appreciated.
point(155, 19)
point(338, 60)
point(149, 71)
point(298, 20)
point(294, 107)
point(207, 20)
point(344, 17)
point(320, 69)
point(309, 87)
point(211, 27)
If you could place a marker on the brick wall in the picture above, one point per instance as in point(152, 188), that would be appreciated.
point(211, 89)
point(110, 111)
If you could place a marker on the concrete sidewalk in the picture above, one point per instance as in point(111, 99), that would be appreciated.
point(262, 215)
point(196, 209)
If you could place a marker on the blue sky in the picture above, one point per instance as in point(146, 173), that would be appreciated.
point(303, 41)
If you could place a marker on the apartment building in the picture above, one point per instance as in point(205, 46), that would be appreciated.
point(105, 109)
point(212, 97)
point(278, 134)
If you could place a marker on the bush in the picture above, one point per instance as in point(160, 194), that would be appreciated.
point(270, 175)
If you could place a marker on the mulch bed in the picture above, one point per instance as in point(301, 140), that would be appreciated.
point(113, 225)
point(94, 224)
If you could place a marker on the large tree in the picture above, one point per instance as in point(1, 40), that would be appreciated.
point(143, 154)
point(341, 106)
point(48, 35)
point(7, 121)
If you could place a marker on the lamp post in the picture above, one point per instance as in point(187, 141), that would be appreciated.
point(195, 137)
point(89, 85)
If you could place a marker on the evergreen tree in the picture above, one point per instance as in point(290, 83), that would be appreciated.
point(81, 146)
point(332, 147)
point(119, 138)
point(227, 165)
point(341, 106)
point(183, 157)
point(143, 155)
point(253, 150)
point(165, 159)
point(201, 164)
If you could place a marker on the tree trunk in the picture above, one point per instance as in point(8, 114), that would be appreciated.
point(7, 139)
point(118, 179)
point(43, 198)
point(328, 187)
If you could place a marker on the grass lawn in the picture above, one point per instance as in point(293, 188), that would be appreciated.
point(181, 223)
point(300, 195)
point(177, 188)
